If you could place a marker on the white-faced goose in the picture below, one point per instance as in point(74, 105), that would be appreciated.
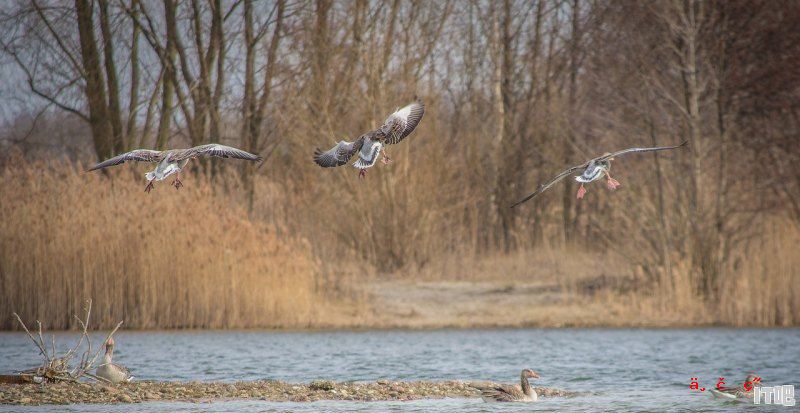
point(369, 145)
point(173, 160)
point(522, 392)
point(110, 371)
point(593, 170)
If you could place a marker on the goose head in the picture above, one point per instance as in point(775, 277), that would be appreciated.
point(530, 374)
point(752, 377)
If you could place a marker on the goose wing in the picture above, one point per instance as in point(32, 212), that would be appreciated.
point(552, 182)
point(215, 149)
point(139, 155)
point(124, 370)
point(339, 154)
point(634, 150)
point(402, 122)
point(502, 392)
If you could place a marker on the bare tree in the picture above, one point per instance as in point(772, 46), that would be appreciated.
point(255, 105)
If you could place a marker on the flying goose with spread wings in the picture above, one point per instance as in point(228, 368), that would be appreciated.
point(397, 127)
point(174, 160)
point(593, 170)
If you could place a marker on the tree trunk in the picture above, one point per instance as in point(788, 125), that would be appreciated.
point(112, 85)
point(665, 240)
point(130, 126)
point(570, 222)
point(254, 111)
point(168, 85)
point(504, 152)
point(102, 133)
point(691, 86)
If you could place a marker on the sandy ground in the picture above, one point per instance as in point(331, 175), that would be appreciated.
point(476, 304)
point(543, 289)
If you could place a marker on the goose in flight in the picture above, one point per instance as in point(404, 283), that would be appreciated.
point(174, 160)
point(511, 393)
point(593, 170)
point(110, 371)
point(369, 145)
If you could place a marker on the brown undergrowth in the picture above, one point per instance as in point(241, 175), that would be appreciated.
point(196, 258)
point(170, 259)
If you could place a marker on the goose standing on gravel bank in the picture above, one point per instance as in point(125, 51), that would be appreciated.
point(593, 170)
point(110, 371)
point(522, 392)
point(369, 145)
point(174, 160)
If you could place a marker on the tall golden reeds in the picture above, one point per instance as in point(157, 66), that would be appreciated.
point(195, 258)
point(168, 259)
point(763, 287)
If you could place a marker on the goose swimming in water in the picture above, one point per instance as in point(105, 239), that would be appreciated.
point(593, 170)
point(744, 390)
point(369, 145)
point(110, 371)
point(523, 392)
point(174, 160)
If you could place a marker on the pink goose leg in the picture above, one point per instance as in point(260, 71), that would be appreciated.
point(581, 192)
point(177, 182)
point(362, 173)
point(611, 183)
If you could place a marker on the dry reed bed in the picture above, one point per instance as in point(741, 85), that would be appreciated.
point(194, 259)
point(170, 259)
point(761, 287)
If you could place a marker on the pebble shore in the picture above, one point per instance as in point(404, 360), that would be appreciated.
point(143, 391)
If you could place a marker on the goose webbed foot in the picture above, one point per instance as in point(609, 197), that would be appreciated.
point(612, 183)
point(149, 187)
point(362, 173)
point(581, 192)
point(177, 183)
point(386, 160)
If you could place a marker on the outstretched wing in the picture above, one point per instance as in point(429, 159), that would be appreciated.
point(402, 122)
point(215, 149)
point(339, 154)
point(633, 150)
point(606, 157)
point(140, 155)
point(552, 182)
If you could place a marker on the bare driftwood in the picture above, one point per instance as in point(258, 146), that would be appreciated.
point(57, 368)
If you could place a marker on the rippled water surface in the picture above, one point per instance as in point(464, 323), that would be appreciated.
point(620, 369)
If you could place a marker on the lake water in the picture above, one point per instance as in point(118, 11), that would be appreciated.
point(623, 370)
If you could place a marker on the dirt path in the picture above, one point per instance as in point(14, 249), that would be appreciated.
point(418, 304)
